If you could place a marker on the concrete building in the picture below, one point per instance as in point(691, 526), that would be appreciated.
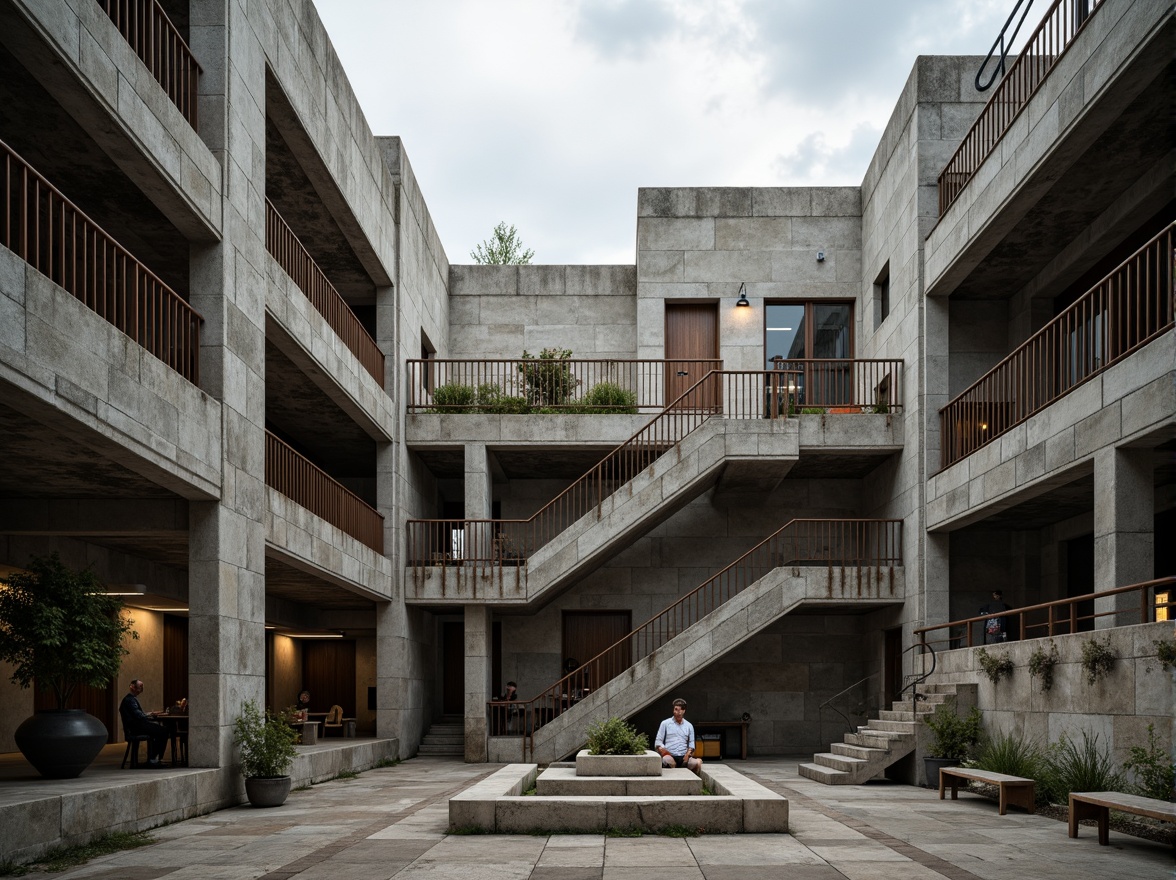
point(240, 377)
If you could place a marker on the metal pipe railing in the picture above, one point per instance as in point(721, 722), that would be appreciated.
point(1061, 616)
point(824, 543)
point(145, 26)
point(285, 247)
point(844, 384)
point(1128, 308)
point(1061, 24)
point(523, 385)
point(308, 485)
point(55, 237)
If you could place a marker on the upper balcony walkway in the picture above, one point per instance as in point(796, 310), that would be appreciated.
point(1131, 306)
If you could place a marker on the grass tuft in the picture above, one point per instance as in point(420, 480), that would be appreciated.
point(63, 858)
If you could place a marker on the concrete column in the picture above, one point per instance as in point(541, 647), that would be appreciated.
point(478, 621)
point(1124, 517)
point(479, 495)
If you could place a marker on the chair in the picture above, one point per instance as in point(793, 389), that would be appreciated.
point(334, 720)
point(132, 751)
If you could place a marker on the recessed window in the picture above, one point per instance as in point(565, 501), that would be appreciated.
point(882, 296)
point(807, 330)
point(428, 353)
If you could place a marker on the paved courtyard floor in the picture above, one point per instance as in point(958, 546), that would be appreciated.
point(392, 822)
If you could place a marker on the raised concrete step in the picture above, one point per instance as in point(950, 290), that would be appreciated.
point(892, 715)
point(839, 762)
point(898, 725)
point(425, 749)
point(667, 485)
point(851, 750)
point(827, 775)
point(725, 628)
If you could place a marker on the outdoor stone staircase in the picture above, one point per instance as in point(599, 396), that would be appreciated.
point(763, 602)
point(882, 741)
point(671, 482)
point(445, 737)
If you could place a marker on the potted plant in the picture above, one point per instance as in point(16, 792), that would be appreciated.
point(267, 751)
point(59, 629)
point(954, 738)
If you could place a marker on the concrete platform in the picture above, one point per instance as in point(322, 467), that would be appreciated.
point(560, 782)
point(37, 814)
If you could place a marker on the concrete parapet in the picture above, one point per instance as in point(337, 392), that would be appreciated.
point(564, 782)
point(648, 764)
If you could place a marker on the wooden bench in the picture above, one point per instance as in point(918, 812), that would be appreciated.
point(1098, 805)
point(1015, 790)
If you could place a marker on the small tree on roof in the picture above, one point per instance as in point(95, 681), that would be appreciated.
point(503, 247)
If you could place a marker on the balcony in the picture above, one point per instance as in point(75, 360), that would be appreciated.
point(1059, 27)
point(304, 483)
point(297, 262)
point(157, 42)
point(1127, 309)
point(57, 239)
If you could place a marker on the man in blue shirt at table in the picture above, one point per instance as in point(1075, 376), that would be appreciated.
point(675, 740)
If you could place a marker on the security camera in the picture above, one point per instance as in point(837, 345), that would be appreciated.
point(820, 256)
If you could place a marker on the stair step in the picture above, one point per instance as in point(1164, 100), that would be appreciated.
point(827, 775)
point(891, 715)
point(862, 753)
point(439, 750)
point(838, 762)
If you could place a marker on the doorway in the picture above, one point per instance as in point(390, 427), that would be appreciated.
point(1080, 577)
point(692, 334)
point(589, 633)
point(328, 672)
point(892, 671)
point(452, 667)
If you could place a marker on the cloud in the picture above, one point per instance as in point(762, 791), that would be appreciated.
point(624, 28)
point(815, 162)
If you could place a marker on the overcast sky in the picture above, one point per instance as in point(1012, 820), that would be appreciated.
point(549, 114)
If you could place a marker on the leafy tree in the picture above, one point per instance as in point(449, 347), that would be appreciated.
point(503, 247)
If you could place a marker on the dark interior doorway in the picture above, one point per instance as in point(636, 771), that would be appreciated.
point(328, 672)
point(453, 667)
point(1080, 576)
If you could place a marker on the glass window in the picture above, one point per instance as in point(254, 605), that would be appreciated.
point(797, 333)
point(784, 335)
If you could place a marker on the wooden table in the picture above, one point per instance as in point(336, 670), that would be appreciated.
point(173, 722)
point(699, 726)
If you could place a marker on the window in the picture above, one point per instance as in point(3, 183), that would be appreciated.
point(428, 353)
point(882, 296)
point(797, 333)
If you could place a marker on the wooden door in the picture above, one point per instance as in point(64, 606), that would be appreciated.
point(328, 672)
point(692, 333)
point(589, 633)
point(175, 659)
point(453, 668)
point(892, 671)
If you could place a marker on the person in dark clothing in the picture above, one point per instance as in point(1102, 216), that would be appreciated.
point(136, 722)
point(996, 629)
point(303, 704)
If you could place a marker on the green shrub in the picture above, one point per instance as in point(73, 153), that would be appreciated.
point(955, 735)
point(1165, 653)
point(493, 399)
point(548, 377)
point(1155, 773)
point(1069, 767)
point(453, 397)
point(1042, 663)
point(616, 737)
point(266, 740)
point(1097, 659)
point(609, 397)
point(812, 410)
point(1010, 753)
point(993, 667)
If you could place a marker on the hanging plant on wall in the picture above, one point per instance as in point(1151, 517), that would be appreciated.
point(1165, 653)
point(1042, 663)
point(993, 667)
point(1097, 659)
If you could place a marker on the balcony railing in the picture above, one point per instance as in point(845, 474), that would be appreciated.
point(828, 543)
point(304, 483)
point(756, 394)
point(1127, 309)
point(1062, 22)
point(285, 247)
point(57, 239)
point(563, 385)
point(148, 30)
point(846, 385)
point(1153, 601)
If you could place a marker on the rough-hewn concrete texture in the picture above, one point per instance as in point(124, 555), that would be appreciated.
point(566, 782)
point(648, 764)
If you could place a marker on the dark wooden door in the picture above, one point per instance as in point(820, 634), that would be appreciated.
point(892, 671)
point(175, 659)
point(328, 672)
point(453, 668)
point(692, 333)
point(589, 633)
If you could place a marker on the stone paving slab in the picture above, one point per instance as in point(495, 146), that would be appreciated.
point(392, 823)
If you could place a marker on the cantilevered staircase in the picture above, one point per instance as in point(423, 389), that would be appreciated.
point(806, 562)
point(881, 742)
point(724, 417)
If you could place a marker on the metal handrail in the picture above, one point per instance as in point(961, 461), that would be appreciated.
point(913, 686)
point(1062, 22)
point(1132, 305)
point(828, 705)
point(59, 240)
point(1004, 47)
point(829, 543)
point(297, 262)
point(306, 484)
point(156, 40)
point(1054, 624)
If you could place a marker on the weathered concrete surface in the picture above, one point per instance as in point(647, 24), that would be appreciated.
point(566, 782)
point(648, 764)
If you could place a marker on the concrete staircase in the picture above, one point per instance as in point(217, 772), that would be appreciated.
point(766, 600)
point(666, 486)
point(445, 737)
point(881, 742)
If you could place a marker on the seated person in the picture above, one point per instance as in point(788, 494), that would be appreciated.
point(136, 722)
point(675, 740)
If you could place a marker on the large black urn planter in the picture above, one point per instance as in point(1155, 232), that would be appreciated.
point(932, 766)
point(267, 791)
point(61, 743)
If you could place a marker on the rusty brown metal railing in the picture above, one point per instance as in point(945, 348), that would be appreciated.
point(55, 237)
point(1062, 616)
point(157, 42)
point(306, 484)
point(826, 543)
point(285, 247)
point(1061, 24)
point(1131, 306)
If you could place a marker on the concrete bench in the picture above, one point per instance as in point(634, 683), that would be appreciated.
point(1014, 790)
point(1098, 805)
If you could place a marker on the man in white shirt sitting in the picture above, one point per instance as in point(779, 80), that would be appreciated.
point(675, 740)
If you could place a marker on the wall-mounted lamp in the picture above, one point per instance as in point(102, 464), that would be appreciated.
point(742, 301)
point(820, 256)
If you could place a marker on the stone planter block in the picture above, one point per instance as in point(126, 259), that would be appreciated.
point(648, 764)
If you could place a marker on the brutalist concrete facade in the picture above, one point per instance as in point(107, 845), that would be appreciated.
point(114, 459)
